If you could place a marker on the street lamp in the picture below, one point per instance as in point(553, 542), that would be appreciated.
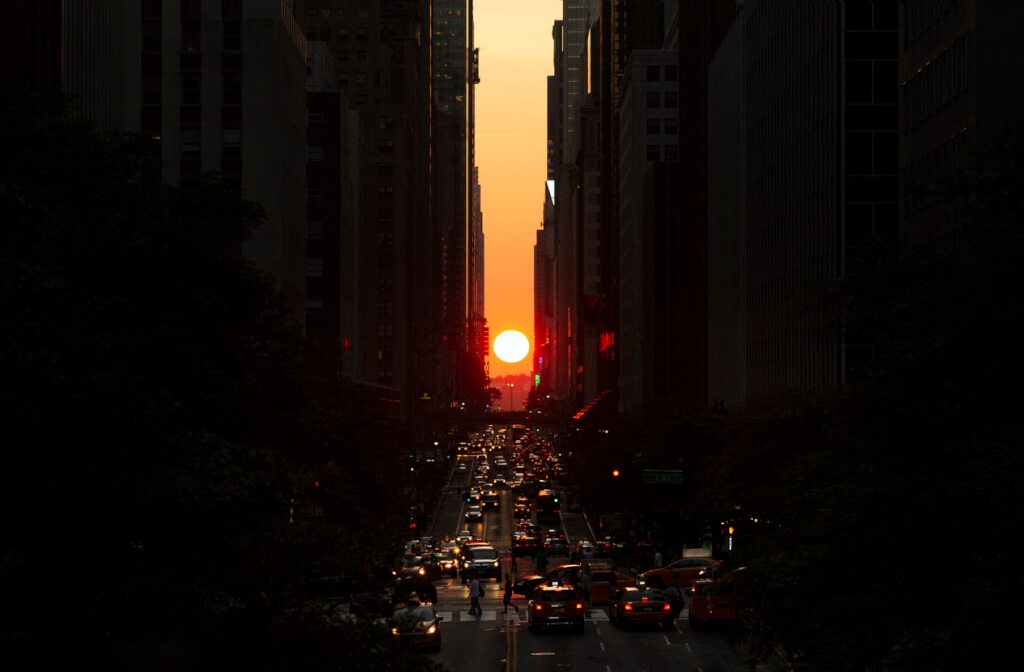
point(511, 396)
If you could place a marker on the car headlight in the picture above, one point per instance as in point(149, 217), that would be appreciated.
point(422, 571)
point(394, 631)
point(432, 629)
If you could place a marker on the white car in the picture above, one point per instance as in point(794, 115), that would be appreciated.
point(474, 513)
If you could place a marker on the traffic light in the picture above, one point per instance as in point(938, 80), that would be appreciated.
point(615, 473)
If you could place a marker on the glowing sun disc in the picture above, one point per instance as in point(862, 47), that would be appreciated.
point(511, 346)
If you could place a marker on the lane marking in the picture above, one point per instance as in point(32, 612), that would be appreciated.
point(602, 645)
point(666, 639)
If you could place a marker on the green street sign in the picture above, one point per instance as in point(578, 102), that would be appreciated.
point(669, 477)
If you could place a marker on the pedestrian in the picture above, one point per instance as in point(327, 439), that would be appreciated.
point(474, 595)
point(657, 559)
point(514, 564)
point(508, 594)
point(586, 584)
point(673, 595)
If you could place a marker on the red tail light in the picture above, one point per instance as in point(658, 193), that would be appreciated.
point(628, 607)
point(667, 607)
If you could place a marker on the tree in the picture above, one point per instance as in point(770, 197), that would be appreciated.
point(157, 416)
point(864, 498)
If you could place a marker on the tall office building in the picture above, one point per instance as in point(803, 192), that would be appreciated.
point(382, 64)
point(815, 169)
point(961, 89)
point(218, 86)
point(649, 134)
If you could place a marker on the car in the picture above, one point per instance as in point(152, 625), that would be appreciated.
point(527, 544)
point(499, 481)
point(483, 561)
point(556, 547)
point(491, 501)
point(461, 468)
point(416, 624)
point(555, 605)
point(418, 565)
point(685, 569)
point(711, 598)
point(463, 536)
point(474, 513)
point(521, 510)
point(603, 575)
point(448, 560)
point(640, 605)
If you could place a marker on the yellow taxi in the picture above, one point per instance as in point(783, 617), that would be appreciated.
point(640, 605)
point(685, 569)
point(416, 625)
point(555, 605)
point(711, 599)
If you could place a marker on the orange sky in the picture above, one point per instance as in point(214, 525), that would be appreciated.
point(516, 59)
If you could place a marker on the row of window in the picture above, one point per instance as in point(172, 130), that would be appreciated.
point(657, 73)
point(362, 11)
point(919, 16)
point(658, 125)
point(655, 98)
point(326, 34)
point(231, 143)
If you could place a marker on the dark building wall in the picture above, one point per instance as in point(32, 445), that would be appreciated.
point(30, 42)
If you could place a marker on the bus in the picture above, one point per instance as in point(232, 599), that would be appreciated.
point(548, 508)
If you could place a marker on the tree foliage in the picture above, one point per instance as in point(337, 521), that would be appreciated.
point(880, 518)
point(163, 422)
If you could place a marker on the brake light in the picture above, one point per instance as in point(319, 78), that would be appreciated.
point(628, 607)
point(538, 607)
point(667, 607)
point(579, 605)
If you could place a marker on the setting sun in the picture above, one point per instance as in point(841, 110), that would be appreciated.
point(511, 346)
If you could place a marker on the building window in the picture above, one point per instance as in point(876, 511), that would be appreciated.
point(385, 307)
point(361, 78)
point(671, 99)
point(653, 73)
point(361, 99)
point(343, 34)
point(671, 125)
point(314, 267)
point(385, 191)
point(315, 231)
point(231, 142)
point(190, 142)
point(653, 99)
point(385, 330)
point(232, 88)
point(325, 34)
point(361, 34)
point(386, 354)
point(151, 94)
point(653, 126)
point(385, 169)
point(232, 36)
point(342, 79)
point(314, 153)
point(190, 36)
point(343, 56)
point(671, 152)
point(385, 145)
point(361, 55)
point(385, 376)
point(385, 284)
point(671, 73)
point(311, 34)
point(653, 152)
point(385, 123)
point(325, 12)
point(385, 238)
point(190, 89)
